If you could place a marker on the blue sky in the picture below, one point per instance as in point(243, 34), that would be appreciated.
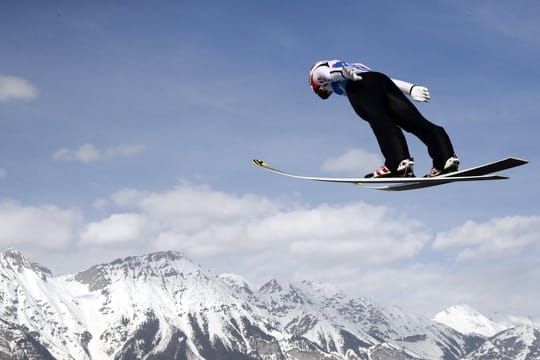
point(128, 127)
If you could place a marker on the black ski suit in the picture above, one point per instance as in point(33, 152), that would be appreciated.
point(377, 99)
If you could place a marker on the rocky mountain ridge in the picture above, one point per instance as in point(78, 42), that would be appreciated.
point(163, 306)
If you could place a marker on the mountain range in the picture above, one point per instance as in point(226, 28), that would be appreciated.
point(163, 306)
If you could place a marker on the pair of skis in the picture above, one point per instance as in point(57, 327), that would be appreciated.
point(478, 173)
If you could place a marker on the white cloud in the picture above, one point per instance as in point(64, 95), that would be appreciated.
point(16, 88)
point(340, 233)
point(88, 153)
point(200, 204)
point(496, 237)
point(46, 226)
point(3, 173)
point(117, 228)
point(353, 161)
point(202, 221)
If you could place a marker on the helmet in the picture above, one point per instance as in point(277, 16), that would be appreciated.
point(321, 90)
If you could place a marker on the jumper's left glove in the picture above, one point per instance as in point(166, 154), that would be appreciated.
point(420, 93)
point(350, 73)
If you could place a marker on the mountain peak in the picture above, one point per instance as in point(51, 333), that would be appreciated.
point(160, 256)
point(15, 260)
point(467, 320)
point(161, 265)
point(271, 287)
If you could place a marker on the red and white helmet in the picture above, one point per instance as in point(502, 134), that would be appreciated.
point(318, 87)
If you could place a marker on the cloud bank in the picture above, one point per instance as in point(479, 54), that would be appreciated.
point(366, 249)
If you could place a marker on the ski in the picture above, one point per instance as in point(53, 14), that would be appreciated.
point(478, 173)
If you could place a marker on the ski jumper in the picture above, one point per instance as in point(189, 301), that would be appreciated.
point(381, 102)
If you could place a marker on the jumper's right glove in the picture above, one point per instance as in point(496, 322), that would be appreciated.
point(349, 72)
point(420, 93)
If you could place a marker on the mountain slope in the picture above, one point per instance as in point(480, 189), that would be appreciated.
point(17, 343)
point(519, 343)
point(163, 298)
point(327, 316)
point(30, 297)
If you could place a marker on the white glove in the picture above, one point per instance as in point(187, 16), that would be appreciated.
point(420, 93)
point(350, 73)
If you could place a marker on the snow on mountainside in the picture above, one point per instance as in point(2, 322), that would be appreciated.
point(519, 343)
point(163, 306)
point(467, 320)
point(508, 337)
point(326, 315)
point(30, 297)
point(510, 321)
point(131, 308)
point(174, 298)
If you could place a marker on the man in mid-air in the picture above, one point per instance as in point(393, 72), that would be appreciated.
point(382, 102)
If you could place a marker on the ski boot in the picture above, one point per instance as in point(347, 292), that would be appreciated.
point(404, 169)
point(450, 165)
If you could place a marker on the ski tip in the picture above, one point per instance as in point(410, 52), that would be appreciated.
point(519, 160)
point(259, 163)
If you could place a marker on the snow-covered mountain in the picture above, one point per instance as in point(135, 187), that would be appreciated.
point(328, 317)
point(518, 343)
point(467, 320)
point(163, 306)
point(507, 337)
